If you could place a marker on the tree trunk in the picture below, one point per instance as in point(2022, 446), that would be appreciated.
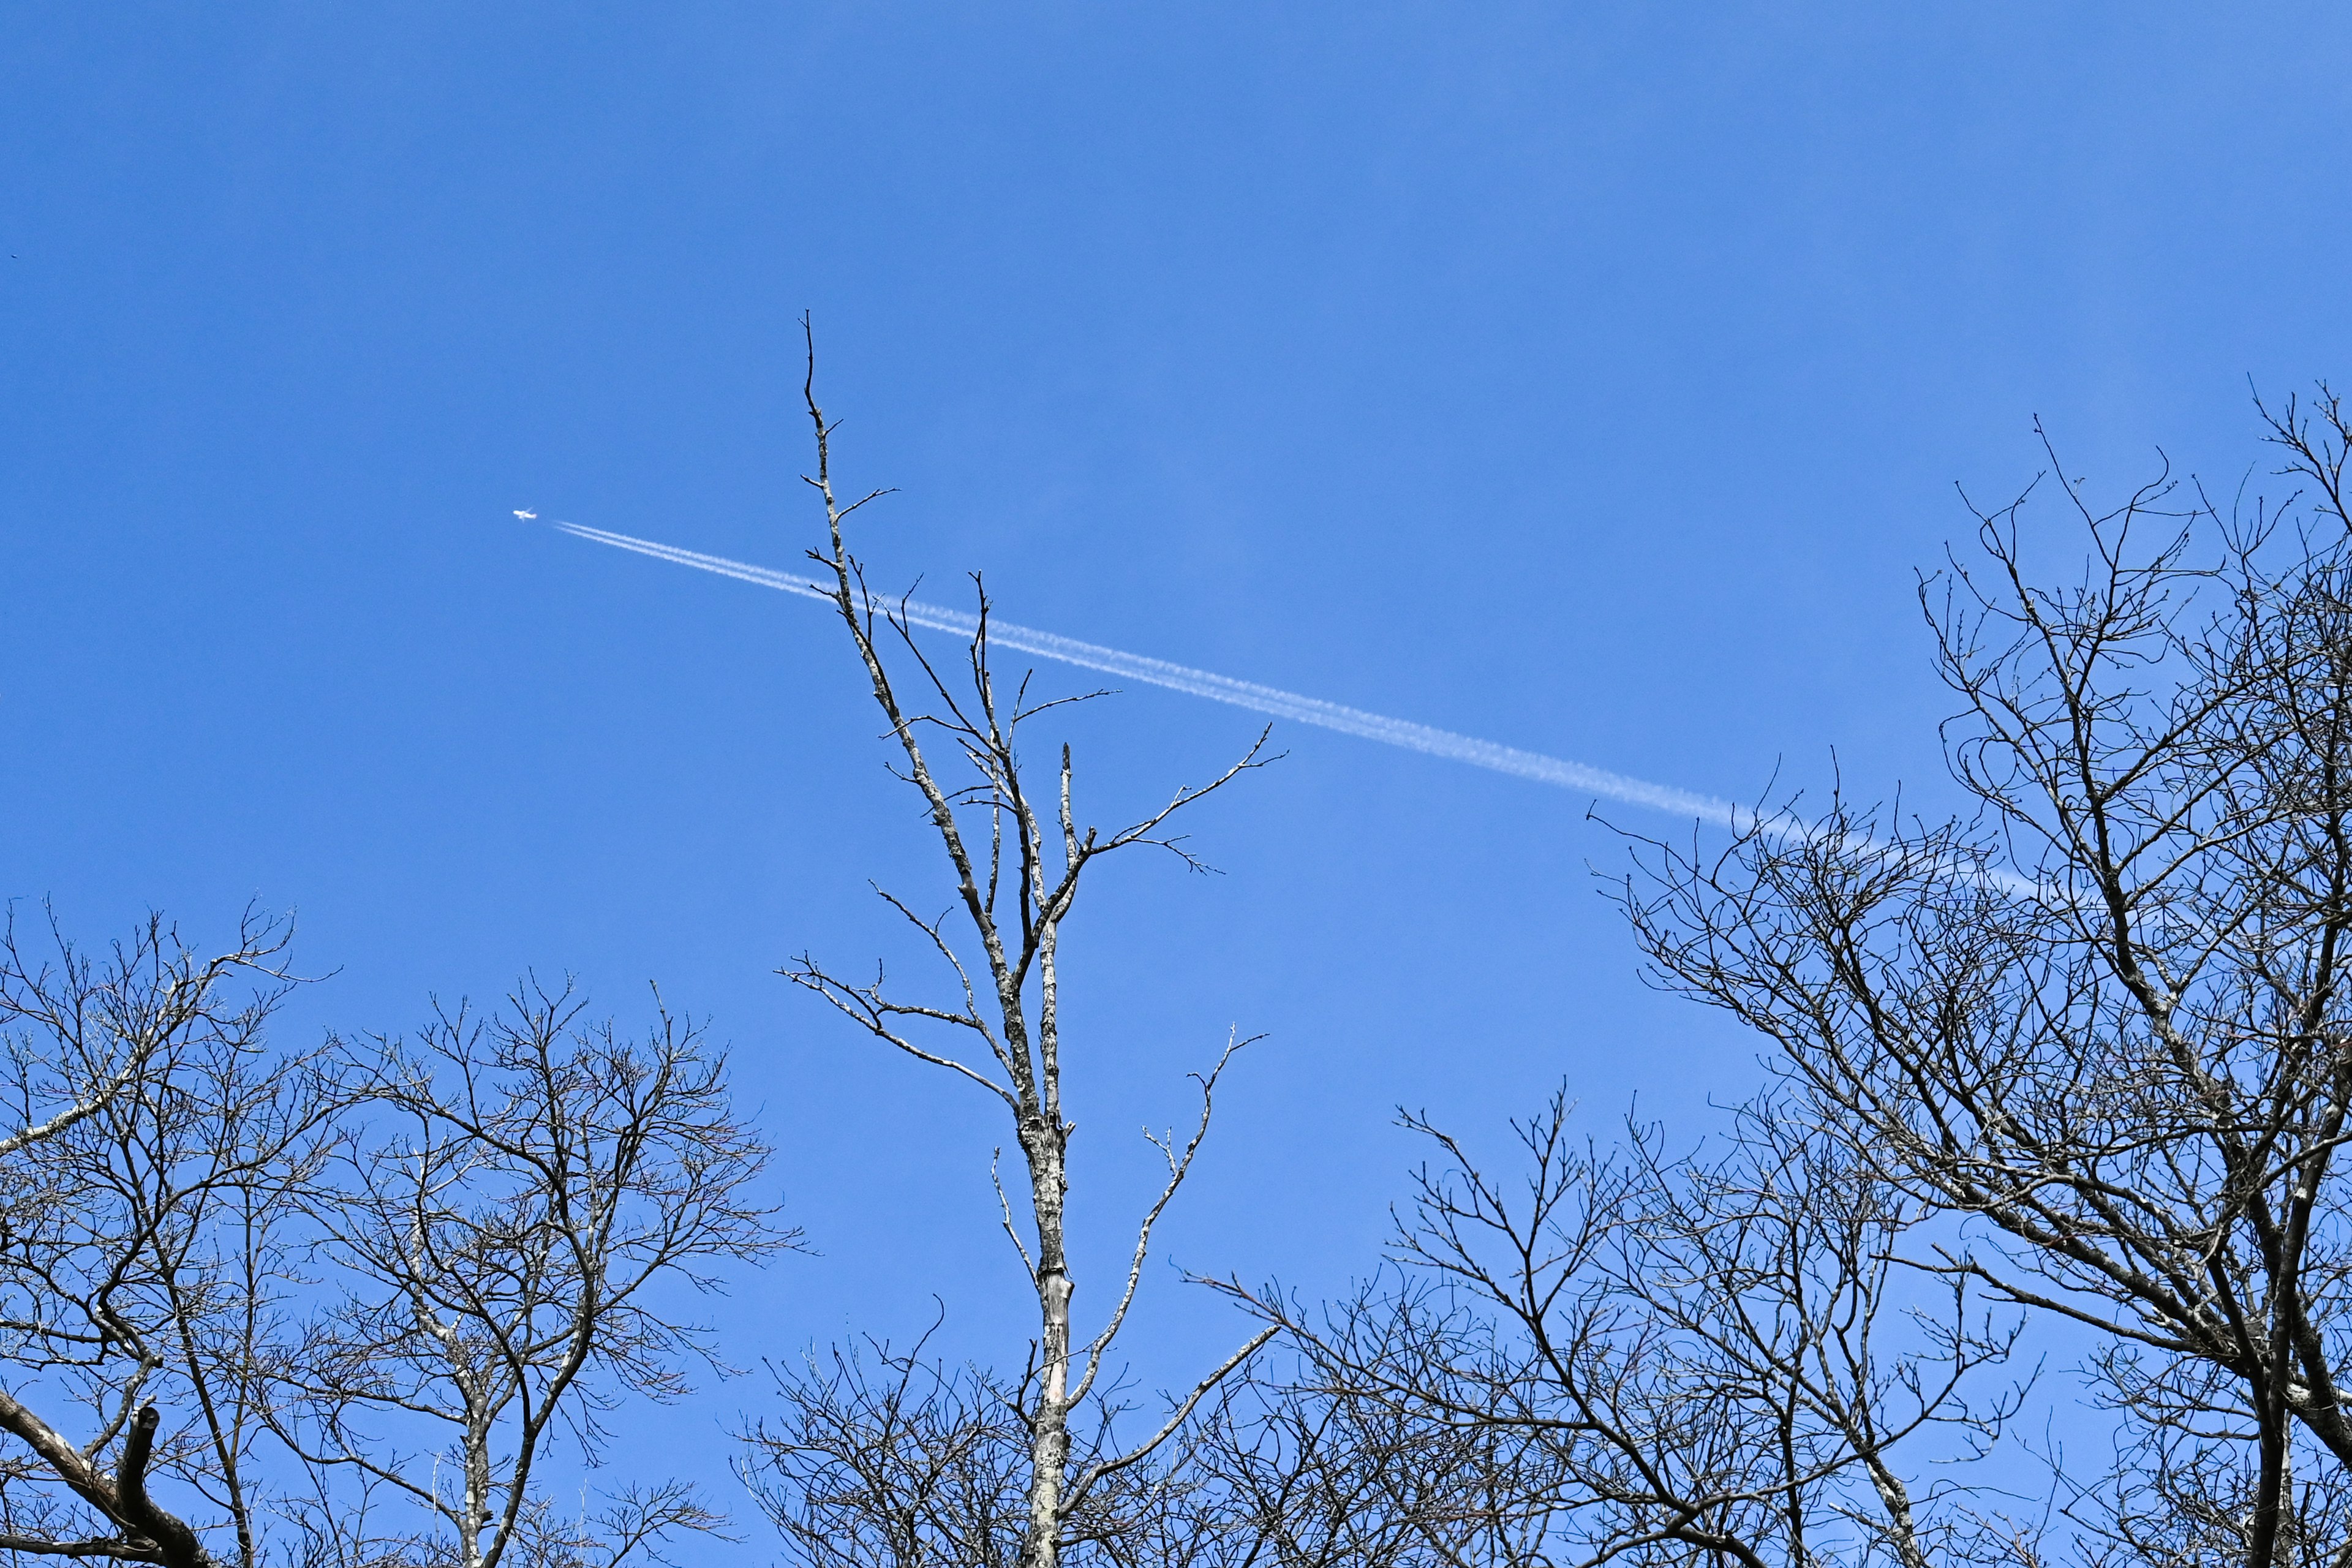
point(1049, 1454)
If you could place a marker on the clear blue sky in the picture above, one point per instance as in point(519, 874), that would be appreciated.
point(1591, 378)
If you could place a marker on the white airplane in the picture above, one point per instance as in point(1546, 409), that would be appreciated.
point(528, 516)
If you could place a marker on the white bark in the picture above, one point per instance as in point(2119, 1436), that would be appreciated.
point(1022, 1030)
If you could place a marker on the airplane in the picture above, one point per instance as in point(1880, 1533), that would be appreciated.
point(526, 516)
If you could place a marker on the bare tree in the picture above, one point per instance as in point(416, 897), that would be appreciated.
point(516, 1231)
point(510, 1209)
point(152, 1147)
point(1626, 1357)
point(2105, 1024)
point(1016, 854)
point(881, 1458)
point(1306, 1467)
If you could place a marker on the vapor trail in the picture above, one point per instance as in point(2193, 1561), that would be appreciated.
point(1283, 704)
point(1247, 694)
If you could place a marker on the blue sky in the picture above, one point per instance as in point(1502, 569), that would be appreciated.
point(1589, 378)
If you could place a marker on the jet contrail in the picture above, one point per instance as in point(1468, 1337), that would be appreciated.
point(1247, 694)
point(1283, 704)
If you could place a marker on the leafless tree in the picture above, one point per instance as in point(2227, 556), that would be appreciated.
point(151, 1146)
point(881, 1458)
point(1624, 1357)
point(240, 1285)
point(1016, 853)
point(516, 1232)
point(1305, 1467)
point(2103, 1027)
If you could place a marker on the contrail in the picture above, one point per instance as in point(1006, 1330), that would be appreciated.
point(1247, 694)
point(1280, 704)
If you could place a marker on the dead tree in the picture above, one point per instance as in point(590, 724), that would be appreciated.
point(1016, 854)
point(2105, 1024)
point(509, 1228)
point(150, 1157)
